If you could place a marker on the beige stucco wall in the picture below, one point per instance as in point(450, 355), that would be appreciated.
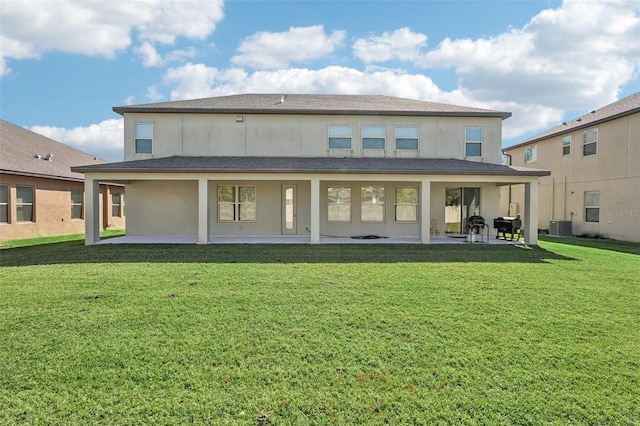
point(171, 208)
point(303, 135)
point(52, 208)
point(614, 171)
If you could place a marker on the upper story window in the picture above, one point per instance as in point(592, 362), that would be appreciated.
point(143, 136)
point(566, 145)
point(24, 203)
point(76, 203)
point(473, 141)
point(339, 204)
point(373, 137)
point(530, 154)
point(237, 203)
point(406, 137)
point(340, 137)
point(590, 142)
point(372, 204)
point(4, 204)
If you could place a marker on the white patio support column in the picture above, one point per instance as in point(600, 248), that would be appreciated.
point(315, 211)
point(425, 211)
point(531, 212)
point(203, 211)
point(92, 211)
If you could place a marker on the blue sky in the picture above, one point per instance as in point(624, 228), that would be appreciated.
point(64, 64)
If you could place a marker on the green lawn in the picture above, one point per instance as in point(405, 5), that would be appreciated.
point(329, 334)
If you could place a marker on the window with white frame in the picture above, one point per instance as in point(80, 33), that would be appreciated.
point(530, 154)
point(143, 138)
point(116, 204)
point(24, 203)
point(4, 204)
point(373, 137)
point(237, 203)
point(473, 141)
point(372, 204)
point(339, 204)
point(340, 137)
point(566, 145)
point(406, 206)
point(77, 197)
point(590, 142)
point(592, 206)
point(407, 137)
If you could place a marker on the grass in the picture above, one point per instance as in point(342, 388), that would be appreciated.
point(345, 334)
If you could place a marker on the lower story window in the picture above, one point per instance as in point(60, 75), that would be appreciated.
point(76, 203)
point(372, 204)
point(24, 203)
point(116, 204)
point(339, 204)
point(236, 203)
point(4, 204)
point(592, 206)
point(407, 204)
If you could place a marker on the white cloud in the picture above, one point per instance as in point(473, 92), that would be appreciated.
point(152, 58)
point(573, 57)
point(104, 140)
point(269, 50)
point(401, 44)
point(100, 28)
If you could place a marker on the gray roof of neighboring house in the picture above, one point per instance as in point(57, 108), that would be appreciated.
point(20, 147)
point(413, 166)
point(313, 104)
point(623, 107)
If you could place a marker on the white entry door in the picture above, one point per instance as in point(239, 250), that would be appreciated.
point(289, 209)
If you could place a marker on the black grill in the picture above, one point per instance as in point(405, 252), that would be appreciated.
point(507, 225)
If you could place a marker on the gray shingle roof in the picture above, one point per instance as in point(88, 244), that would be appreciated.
point(623, 107)
point(19, 148)
point(312, 104)
point(413, 166)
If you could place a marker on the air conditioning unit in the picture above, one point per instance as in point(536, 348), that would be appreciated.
point(560, 228)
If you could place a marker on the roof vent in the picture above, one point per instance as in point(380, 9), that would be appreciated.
point(49, 157)
point(282, 98)
point(593, 112)
point(564, 123)
point(579, 119)
point(38, 156)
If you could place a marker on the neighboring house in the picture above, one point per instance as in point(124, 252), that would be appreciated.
point(308, 166)
point(594, 186)
point(39, 194)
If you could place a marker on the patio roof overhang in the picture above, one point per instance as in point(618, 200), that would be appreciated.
point(312, 165)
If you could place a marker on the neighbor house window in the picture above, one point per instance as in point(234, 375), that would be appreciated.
point(566, 145)
point(530, 154)
point(236, 203)
point(373, 137)
point(143, 135)
point(339, 204)
point(473, 141)
point(4, 204)
point(407, 204)
point(116, 204)
point(592, 206)
point(24, 203)
point(372, 204)
point(406, 137)
point(76, 203)
point(590, 142)
point(340, 137)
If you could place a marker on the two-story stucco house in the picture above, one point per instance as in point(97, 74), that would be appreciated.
point(308, 167)
point(594, 186)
